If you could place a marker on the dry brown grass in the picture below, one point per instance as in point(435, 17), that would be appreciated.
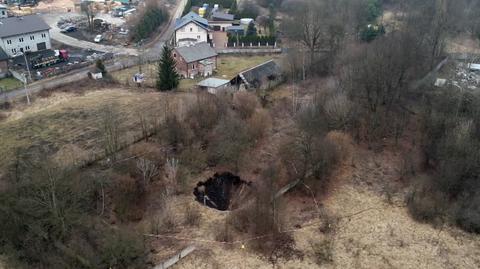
point(67, 119)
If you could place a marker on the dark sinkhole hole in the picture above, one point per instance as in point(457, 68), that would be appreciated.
point(222, 191)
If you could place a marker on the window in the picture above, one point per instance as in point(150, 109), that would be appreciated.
point(44, 35)
point(20, 39)
point(27, 47)
point(32, 37)
point(9, 42)
point(14, 50)
point(198, 37)
point(191, 29)
point(3, 12)
point(193, 66)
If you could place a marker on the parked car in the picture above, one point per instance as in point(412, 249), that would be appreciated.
point(98, 39)
point(69, 29)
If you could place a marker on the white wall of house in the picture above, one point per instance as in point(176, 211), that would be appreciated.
point(3, 12)
point(26, 42)
point(191, 31)
point(221, 25)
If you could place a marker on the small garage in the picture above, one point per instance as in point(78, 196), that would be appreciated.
point(214, 85)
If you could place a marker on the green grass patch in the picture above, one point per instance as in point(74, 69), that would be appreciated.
point(9, 84)
point(228, 67)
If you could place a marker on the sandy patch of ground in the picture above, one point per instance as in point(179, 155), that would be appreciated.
point(463, 44)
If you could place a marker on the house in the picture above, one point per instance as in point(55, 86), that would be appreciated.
point(221, 21)
point(220, 16)
point(191, 29)
point(27, 33)
point(197, 60)
point(263, 76)
point(3, 64)
point(236, 30)
point(3, 11)
point(214, 85)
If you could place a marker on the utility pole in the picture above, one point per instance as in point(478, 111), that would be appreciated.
point(27, 65)
point(26, 90)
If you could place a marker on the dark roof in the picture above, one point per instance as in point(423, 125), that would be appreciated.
point(220, 16)
point(22, 25)
point(3, 55)
point(191, 17)
point(235, 28)
point(256, 76)
point(197, 52)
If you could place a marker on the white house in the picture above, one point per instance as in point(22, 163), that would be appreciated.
point(191, 29)
point(27, 33)
point(3, 11)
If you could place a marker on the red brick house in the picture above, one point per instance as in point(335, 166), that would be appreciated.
point(193, 61)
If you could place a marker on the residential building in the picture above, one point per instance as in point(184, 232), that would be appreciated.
point(191, 29)
point(3, 11)
point(197, 60)
point(3, 64)
point(21, 34)
point(220, 16)
point(220, 21)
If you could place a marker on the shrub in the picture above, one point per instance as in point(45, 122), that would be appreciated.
point(123, 249)
point(230, 140)
point(259, 124)
point(192, 216)
point(245, 104)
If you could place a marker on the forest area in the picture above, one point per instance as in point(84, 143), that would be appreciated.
point(357, 160)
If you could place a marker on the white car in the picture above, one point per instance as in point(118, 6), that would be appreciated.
point(98, 38)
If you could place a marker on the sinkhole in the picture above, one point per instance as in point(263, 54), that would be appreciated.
point(222, 191)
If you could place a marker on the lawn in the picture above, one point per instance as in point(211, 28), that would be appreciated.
point(72, 123)
point(10, 84)
point(228, 67)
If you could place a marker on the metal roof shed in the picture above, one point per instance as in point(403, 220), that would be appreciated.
point(213, 85)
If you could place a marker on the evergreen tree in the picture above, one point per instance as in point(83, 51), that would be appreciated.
point(251, 30)
point(100, 66)
point(168, 77)
point(233, 9)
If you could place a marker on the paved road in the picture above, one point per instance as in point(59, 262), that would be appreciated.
point(52, 19)
point(152, 52)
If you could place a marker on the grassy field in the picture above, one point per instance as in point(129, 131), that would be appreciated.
point(66, 122)
point(228, 67)
point(10, 84)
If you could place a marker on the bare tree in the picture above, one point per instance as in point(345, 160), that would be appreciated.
point(88, 8)
point(148, 170)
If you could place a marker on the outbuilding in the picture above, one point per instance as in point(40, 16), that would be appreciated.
point(214, 85)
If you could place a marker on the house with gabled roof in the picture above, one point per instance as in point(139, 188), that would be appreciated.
point(197, 60)
point(191, 29)
point(24, 33)
point(260, 77)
